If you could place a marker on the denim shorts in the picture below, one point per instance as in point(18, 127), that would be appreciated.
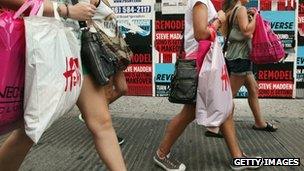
point(85, 69)
point(239, 66)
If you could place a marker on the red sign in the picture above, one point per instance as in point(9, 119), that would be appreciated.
point(139, 79)
point(275, 88)
point(72, 74)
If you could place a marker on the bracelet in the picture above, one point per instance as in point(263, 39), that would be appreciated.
point(219, 21)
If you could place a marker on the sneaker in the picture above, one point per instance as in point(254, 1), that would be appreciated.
point(80, 118)
point(120, 140)
point(169, 163)
point(233, 167)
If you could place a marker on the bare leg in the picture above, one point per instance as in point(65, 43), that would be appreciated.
point(253, 100)
point(175, 128)
point(178, 124)
point(236, 83)
point(120, 87)
point(228, 131)
point(14, 150)
point(93, 104)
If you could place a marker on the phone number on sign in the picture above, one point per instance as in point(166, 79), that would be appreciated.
point(131, 9)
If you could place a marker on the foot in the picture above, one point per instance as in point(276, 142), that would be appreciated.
point(213, 134)
point(169, 163)
point(269, 127)
point(120, 140)
point(234, 167)
point(80, 118)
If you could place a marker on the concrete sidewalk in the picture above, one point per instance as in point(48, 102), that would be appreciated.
point(68, 145)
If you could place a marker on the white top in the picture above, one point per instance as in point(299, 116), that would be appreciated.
point(190, 43)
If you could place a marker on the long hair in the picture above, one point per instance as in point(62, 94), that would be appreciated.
point(227, 7)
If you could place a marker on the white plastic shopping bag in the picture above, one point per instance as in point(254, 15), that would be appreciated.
point(214, 96)
point(53, 74)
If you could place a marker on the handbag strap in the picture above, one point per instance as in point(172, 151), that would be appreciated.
point(181, 49)
point(230, 24)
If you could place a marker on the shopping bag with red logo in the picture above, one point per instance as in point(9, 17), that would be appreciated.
point(12, 61)
point(53, 75)
point(214, 97)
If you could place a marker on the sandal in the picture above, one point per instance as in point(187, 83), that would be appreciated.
point(212, 134)
point(269, 128)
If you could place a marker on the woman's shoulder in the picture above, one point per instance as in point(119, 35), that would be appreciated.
point(241, 9)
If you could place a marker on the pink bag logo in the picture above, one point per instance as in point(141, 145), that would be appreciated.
point(225, 79)
point(72, 74)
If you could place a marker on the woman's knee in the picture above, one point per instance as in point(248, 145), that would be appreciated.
point(122, 90)
point(253, 90)
point(98, 125)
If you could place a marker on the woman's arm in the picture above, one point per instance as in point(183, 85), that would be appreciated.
point(80, 11)
point(200, 21)
point(246, 27)
point(11, 4)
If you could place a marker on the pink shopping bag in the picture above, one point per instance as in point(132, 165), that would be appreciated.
point(199, 55)
point(266, 46)
point(12, 65)
point(214, 96)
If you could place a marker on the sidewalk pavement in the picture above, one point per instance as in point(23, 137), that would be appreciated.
point(68, 145)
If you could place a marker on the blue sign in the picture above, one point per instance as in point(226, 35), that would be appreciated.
point(300, 58)
point(163, 73)
point(280, 20)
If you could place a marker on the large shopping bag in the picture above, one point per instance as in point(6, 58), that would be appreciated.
point(214, 96)
point(53, 72)
point(12, 56)
point(266, 45)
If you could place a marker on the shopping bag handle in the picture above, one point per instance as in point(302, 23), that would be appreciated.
point(56, 14)
point(35, 7)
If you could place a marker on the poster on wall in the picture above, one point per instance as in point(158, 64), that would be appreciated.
point(301, 23)
point(168, 42)
point(277, 5)
point(173, 6)
point(300, 68)
point(243, 92)
point(300, 57)
point(139, 73)
point(163, 77)
point(135, 23)
point(132, 9)
point(275, 80)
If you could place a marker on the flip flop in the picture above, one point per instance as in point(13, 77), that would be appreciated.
point(269, 128)
point(212, 134)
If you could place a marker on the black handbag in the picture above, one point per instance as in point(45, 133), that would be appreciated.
point(101, 64)
point(183, 85)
